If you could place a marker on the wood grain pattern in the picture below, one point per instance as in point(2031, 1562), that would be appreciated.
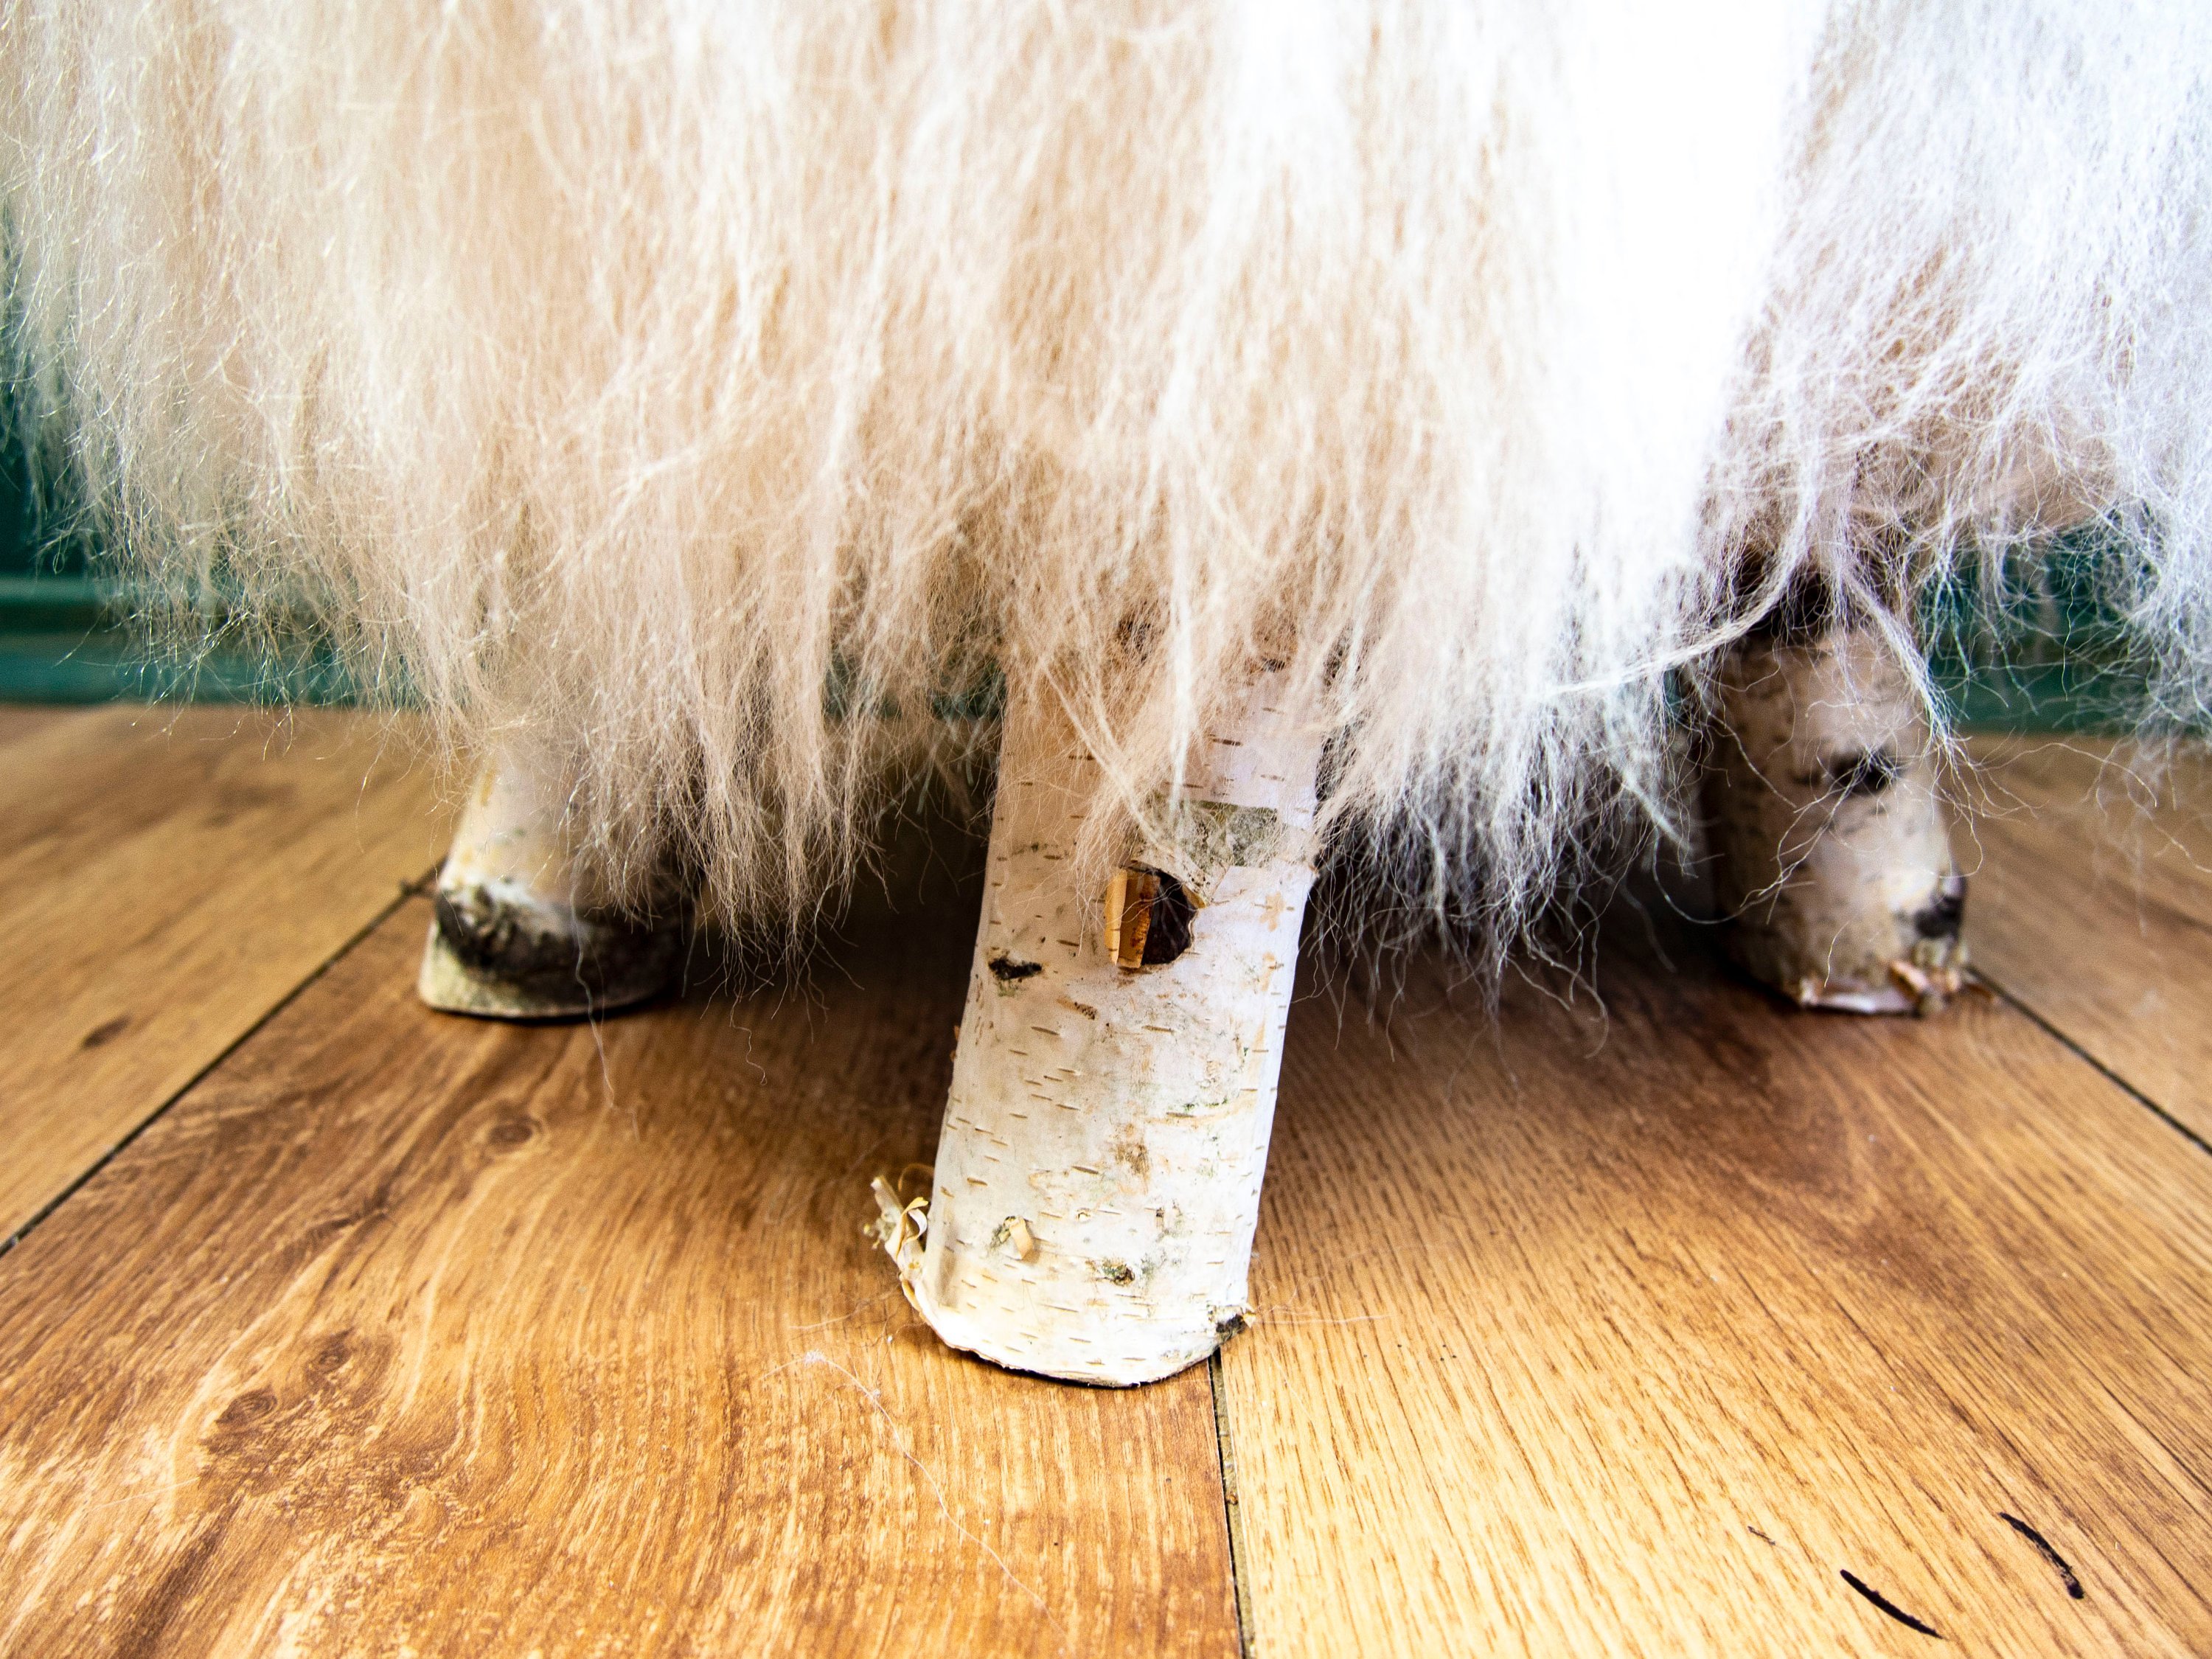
point(408, 1333)
point(166, 877)
point(1633, 1337)
point(2091, 904)
point(403, 1334)
point(19, 721)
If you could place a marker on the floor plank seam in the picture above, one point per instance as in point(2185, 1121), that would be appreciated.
point(407, 891)
point(2103, 1070)
point(1232, 1509)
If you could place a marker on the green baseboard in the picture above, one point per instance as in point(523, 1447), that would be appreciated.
point(61, 641)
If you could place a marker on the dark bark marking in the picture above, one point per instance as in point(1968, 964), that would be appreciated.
point(1944, 915)
point(1857, 775)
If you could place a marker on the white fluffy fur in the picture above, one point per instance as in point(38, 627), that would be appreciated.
point(624, 371)
point(1991, 316)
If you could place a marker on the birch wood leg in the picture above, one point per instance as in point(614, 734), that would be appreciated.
point(1833, 862)
point(1098, 1180)
point(520, 931)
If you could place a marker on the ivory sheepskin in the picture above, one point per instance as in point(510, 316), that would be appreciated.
point(696, 389)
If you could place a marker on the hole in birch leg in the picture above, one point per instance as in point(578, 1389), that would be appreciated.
point(1864, 774)
point(1169, 937)
point(1148, 917)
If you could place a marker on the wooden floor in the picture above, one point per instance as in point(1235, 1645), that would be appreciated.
point(1681, 1325)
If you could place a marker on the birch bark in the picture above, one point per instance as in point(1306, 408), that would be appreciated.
point(1096, 1184)
point(1833, 859)
point(520, 931)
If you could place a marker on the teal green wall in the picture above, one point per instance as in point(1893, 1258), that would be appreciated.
point(64, 637)
point(57, 641)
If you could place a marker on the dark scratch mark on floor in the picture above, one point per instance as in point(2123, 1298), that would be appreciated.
point(2058, 1562)
point(1888, 1606)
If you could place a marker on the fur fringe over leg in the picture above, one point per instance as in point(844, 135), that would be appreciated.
point(687, 384)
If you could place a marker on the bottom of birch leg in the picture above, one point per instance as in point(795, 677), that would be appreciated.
point(1913, 962)
point(498, 951)
point(1116, 1353)
point(1095, 1185)
point(1833, 851)
point(1003, 1296)
point(1903, 987)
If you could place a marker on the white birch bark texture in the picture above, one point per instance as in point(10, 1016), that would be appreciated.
point(1832, 858)
point(520, 930)
point(1097, 1181)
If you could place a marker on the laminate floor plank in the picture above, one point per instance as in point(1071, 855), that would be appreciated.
point(1576, 1336)
point(403, 1333)
point(1636, 1335)
point(168, 876)
point(20, 721)
point(2091, 902)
